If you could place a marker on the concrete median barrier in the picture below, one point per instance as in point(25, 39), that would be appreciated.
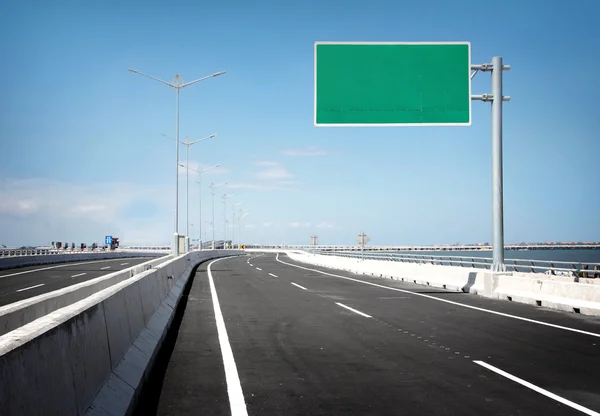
point(556, 292)
point(17, 314)
point(93, 356)
point(37, 260)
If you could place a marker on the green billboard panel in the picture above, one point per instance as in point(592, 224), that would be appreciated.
point(392, 84)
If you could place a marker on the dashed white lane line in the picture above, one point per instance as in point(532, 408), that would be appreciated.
point(353, 310)
point(56, 267)
point(104, 268)
point(30, 287)
point(251, 265)
point(77, 275)
point(259, 269)
point(566, 328)
point(301, 287)
point(124, 264)
point(538, 389)
point(274, 275)
point(234, 387)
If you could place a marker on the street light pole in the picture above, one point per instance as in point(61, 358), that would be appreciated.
point(187, 144)
point(211, 224)
point(242, 215)
point(175, 248)
point(212, 186)
point(225, 198)
point(233, 223)
point(177, 84)
point(199, 182)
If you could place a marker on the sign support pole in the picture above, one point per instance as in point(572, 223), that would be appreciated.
point(496, 98)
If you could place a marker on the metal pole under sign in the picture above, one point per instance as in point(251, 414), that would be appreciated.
point(496, 98)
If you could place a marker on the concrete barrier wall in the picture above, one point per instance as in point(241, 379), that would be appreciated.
point(555, 292)
point(93, 356)
point(23, 261)
point(17, 314)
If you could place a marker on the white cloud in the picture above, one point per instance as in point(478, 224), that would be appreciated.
point(266, 163)
point(324, 224)
point(268, 224)
point(88, 208)
point(274, 171)
point(38, 211)
point(298, 224)
point(268, 186)
point(305, 151)
point(19, 206)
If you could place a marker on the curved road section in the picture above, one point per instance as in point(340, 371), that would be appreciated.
point(264, 335)
point(26, 282)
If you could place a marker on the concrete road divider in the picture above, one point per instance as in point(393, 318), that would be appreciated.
point(93, 356)
point(557, 292)
point(17, 314)
point(36, 260)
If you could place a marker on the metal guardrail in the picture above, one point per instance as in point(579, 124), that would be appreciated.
point(12, 252)
point(438, 247)
point(556, 268)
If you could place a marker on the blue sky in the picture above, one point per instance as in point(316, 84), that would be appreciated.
point(82, 152)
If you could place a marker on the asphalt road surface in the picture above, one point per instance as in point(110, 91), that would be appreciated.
point(26, 282)
point(260, 337)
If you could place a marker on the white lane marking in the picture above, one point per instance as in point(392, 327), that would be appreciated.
point(77, 275)
point(234, 387)
point(56, 267)
point(538, 389)
point(104, 268)
point(259, 269)
point(301, 287)
point(251, 265)
point(30, 287)
point(353, 310)
point(566, 328)
point(274, 275)
point(124, 264)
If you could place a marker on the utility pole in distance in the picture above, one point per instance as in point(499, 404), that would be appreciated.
point(362, 239)
point(314, 240)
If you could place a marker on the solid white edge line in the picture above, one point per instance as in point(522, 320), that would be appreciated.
point(259, 269)
point(353, 310)
point(77, 275)
point(538, 389)
point(60, 265)
point(234, 387)
point(566, 328)
point(30, 287)
point(297, 285)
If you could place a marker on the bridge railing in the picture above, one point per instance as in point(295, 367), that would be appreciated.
point(12, 252)
point(556, 268)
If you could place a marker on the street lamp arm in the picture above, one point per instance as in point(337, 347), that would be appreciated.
point(150, 76)
point(201, 79)
point(209, 168)
point(183, 166)
point(199, 140)
point(212, 185)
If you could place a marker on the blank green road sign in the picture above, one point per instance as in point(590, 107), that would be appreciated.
point(392, 84)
